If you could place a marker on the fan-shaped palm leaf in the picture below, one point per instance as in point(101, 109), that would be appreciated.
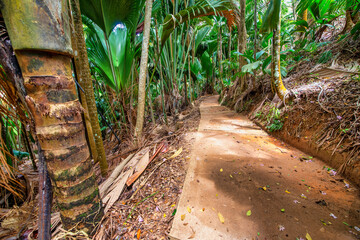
point(122, 54)
point(107, 14)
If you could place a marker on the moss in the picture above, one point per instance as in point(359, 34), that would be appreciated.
point(34, 65)
point(68, 175)
point(83, 201)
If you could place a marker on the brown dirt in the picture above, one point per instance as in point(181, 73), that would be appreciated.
point(236, 167)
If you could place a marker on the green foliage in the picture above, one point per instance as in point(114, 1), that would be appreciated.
point(325, 57)
point(274, 120)
point(108, 14)
point(198, 9)
point(122, 53)
point(249, 68)
point(276, 125)
point(272, 16)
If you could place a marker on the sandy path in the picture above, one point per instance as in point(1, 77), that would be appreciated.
point(236, 167)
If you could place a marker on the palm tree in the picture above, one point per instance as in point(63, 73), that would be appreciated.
point(85, 80)
point(40, 35)
point(143, 70)
point(272, 22)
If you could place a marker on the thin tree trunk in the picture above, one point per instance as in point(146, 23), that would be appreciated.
point(78, 71)
point(191, 82)
point(161, 74)
point(143, 68)
point(293, 9)
point(255, 34)
point(229, 44)
point(28, 147)
point(276, 81)
point(241, 84)
point(42, 47)
point(229, 51)
point(85, 80)
point(150, 100)
point(220, 56)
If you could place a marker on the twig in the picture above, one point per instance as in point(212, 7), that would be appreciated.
point(320, 102)
point(143, 200)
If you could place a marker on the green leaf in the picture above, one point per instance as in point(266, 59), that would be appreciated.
point(272, 16)
point(259, 54)
point(266, 63)
point(248, 213)
point(107, 14)
point(249, 68)
point(199, 9)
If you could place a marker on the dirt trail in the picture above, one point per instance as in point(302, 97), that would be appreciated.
point(236, 167)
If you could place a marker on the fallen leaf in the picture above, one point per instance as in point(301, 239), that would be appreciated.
point(182, 217)
point(177, 153)
point(189, 209)
point(138, 234)
point(248, 213)
point(221, 218)
point(308, 236)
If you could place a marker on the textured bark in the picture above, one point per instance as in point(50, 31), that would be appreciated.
point(240, 83)
point(255, 29)
point(143, 69)
point(45, 198)
point(39, 32)
point(57, 113)
point(219, 52)
point(276, 81)
point(229, 44)
point(85, 80)
point(242, 41)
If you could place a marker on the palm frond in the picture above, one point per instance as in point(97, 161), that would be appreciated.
point(198, 9)
point(271, 17)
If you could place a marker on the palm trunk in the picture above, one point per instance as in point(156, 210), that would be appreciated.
point(85, 80)
point(220, 56)
point(42, 46)
point(143, 69)
point(229, 51)
point(255, 34)
point(276, 81)
point(240, 82)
